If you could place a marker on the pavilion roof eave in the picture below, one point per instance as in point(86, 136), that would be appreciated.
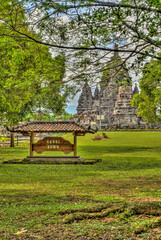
point(50, 131)
point(50, 127)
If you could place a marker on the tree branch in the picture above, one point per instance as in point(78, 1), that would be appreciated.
point(81, 47)
point(122, 5)
point(142, 36)
point(111, 4)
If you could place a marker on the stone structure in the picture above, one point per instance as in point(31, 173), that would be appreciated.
point(86, 99)
point(136, 90)
point(108, 96)
point(110, 106)
point(124, 115)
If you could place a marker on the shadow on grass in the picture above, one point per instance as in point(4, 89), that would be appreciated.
point(21, 197)
point(123, 162)
point(131, 163)
point(116, 149)
point(119, 162)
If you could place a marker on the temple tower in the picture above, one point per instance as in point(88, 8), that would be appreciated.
point(125, 115)
point(96, 93)
point(136, 90)
point(108, 96)
point(86, 100)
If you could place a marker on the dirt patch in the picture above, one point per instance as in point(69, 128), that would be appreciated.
point(102, 137)
point(150, 199)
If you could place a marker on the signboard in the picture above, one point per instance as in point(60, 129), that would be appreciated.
point(53, 144)
point(93, 122)
point(100, 117)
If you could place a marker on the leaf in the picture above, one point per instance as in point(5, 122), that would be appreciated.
point(23, 230)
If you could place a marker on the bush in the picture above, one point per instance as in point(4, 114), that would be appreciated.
point(105, 135)
point(3, 139)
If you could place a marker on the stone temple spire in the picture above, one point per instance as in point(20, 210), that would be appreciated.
point(96, 93)
point(136, 90)
point(86, 99)
point(125, 115)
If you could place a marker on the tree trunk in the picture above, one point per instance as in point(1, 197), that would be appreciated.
point(12, 140)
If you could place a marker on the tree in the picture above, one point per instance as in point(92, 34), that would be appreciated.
point(30, 80)
point(148, 101)
point(86, 30)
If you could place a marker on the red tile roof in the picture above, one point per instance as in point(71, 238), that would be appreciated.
point(56, 126)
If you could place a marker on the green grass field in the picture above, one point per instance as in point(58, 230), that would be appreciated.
point(124, 189)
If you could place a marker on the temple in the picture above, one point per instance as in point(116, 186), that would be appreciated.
point(109, 107)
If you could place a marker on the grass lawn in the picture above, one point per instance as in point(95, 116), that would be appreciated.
point(118, 198)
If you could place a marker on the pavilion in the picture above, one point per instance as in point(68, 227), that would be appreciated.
point(49, 143)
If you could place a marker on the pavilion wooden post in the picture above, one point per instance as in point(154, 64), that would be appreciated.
point(31, 143)
point(75, 144)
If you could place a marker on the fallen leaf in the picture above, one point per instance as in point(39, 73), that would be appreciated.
point(21, 231)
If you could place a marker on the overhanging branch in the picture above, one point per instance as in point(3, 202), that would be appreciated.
point(83, 48)
point(142, 35)
point(111, 4)
point(123, 5)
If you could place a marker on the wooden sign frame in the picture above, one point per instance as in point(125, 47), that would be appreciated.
point(53, 144)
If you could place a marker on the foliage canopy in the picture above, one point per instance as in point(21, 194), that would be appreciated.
point(31, 79)
point(148, 101)
point(87, 29)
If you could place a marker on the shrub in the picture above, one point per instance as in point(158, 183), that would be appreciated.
point(105, 135)
point(3, 139)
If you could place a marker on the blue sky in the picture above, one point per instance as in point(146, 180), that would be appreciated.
point(72, 104)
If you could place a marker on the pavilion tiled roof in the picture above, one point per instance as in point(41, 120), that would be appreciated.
point(55, 126)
